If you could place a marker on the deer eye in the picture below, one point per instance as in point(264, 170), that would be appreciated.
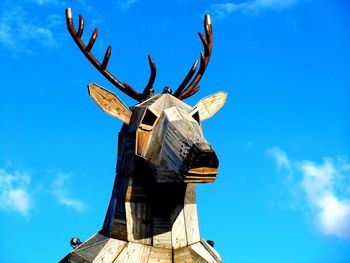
point(149, 118)
point(196, 116)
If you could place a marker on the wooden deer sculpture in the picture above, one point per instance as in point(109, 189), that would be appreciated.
point(162, 154)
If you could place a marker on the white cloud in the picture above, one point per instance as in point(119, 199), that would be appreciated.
point(320, 183)
point(324, 187)
point(14, 193)
point(60, 189)
point(252, 6)
point(20, 33)
point(47, 2)
point(279, 156)
point(126, 4)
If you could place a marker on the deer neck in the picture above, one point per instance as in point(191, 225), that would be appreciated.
point(158, 214)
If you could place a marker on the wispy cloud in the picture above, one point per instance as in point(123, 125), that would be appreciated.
point(19, 33)
point(47, 2)
point(333, 206)
point(325, 188)
point(251, 6)
point(279, 156)
point(14, 192)
point(126, 4)
point(61, 190)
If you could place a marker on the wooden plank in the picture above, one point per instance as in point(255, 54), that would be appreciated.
point(96, 238)
point(110, 103)
point(161, 232)
point(208, 106)
point(110, 251)
point(203, 252)
point(139, 224)
point(212, 251)
point(160, 255)
point(190, 194)
point(90, 252)
point(134, 253)
point(191, 223)
point(182, 255)
point(178, 231)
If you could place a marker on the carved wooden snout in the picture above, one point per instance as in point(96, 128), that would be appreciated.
point(201, 163)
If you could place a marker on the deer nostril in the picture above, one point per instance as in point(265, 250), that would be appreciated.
point(201, 155)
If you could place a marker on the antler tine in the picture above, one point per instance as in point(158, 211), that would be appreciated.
point(146, 92)
point(106, 57)
point(193, 91)
point(187, 79)
point(124, 87)
point(81, 26)
point(207, 41)
point(92, 40)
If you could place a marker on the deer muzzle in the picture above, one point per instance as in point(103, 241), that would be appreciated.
point(201, 164)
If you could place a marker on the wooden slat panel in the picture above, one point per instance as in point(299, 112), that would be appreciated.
point(183, 255)
point(90, 253)
point(96, 238)
point(138, 216)
point(161, 232)
point(110, 251)
point(208, 106)
point(160, 255)
point(178, 231)
point(212, 251)
point(134, 253)
point(191, 222)
point(201, 250)
point(73, 258)
point(110, 103)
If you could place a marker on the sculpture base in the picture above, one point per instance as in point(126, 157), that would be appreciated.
point(100, 248)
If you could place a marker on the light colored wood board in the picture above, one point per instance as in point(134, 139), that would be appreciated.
point(166, 101)
point(190, 195)
point(90, 253)
point(203, 252)
point(96, 238)
point(142, 142)
point(139, 223)
point(161, 233)
point(134, 253)
point(110, 103)
point(208, 106)
point(191, 223)
point(212, 251)
point(172, 114)
point(178, 231)
point(73, 258)
point(182, 255)
point(160, 255)
point(110, 251)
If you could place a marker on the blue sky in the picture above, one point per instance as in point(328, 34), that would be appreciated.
point(283, 191)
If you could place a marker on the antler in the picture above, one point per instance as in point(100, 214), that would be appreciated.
point(183, 92)
point(101, 67)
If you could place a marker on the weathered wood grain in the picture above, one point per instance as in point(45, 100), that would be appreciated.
point(162, 232)
point(178, 231)
point(139, 224)
point(110, 103)
point(160, 255)
point(134, 253)
point(110, 251)
point(191, 223)
point(208, 106)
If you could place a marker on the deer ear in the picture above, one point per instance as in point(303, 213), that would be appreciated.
point(208, 106)
point(109, 103)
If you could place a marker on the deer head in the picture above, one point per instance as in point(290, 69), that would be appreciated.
point(168, 132)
